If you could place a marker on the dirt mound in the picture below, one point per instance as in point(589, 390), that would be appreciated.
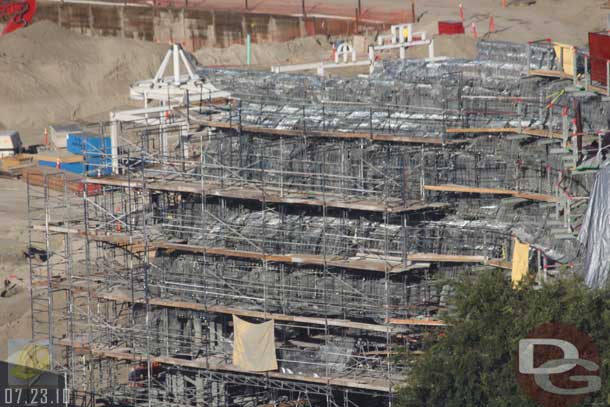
point(308, 49)
point(50, 74)
point(455, 46)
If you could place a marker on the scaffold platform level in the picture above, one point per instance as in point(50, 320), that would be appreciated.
point(492, 191)
point(273, 195)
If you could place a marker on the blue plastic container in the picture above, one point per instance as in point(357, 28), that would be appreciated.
point(88, 144)
point(96, 151)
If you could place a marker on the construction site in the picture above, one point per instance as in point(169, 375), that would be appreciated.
point(286, 237)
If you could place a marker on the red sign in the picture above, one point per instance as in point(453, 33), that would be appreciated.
point(599, 48)
point(19, 12)
point(450, 27)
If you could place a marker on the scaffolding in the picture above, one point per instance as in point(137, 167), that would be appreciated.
point(342, 222)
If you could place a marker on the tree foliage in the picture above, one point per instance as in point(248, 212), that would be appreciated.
point(474, 364)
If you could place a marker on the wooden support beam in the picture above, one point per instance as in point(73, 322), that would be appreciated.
point(444, 258)
point(491, 130)
point(377, 264)
point(217, 309)
point(549, 74)
point(495, 191)
point(598, 89)
point(435, 140)
point(503, 264)
point(417, 322)
point(203, 363)
point(270, 195)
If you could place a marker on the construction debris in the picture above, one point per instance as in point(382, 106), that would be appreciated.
point(12, 285)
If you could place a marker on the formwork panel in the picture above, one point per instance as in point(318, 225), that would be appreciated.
point(599, 48)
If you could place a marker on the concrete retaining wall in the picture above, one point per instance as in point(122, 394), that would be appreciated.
point(194, 28)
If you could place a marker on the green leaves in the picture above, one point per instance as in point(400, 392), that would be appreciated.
point(474, 364)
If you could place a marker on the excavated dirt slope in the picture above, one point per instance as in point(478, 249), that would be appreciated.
point(49, 74)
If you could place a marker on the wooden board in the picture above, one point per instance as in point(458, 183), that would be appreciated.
point(14, 165)
point(377, 265)
point(598, 89)
point(202, 363)
point(54, 179)
point(218, 309)
point(271, 195)
point(435, 140)
point(549, 74)
point(495, 191)
point(515, 130)
point(417, 322)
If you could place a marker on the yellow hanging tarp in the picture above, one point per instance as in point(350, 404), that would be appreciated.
point(566, 52)
point(520, 261)
point(254, 346)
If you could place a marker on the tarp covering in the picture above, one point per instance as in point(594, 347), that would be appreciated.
point(520, 261)
point(595, 232)
point(566, 53)
point(254, 346)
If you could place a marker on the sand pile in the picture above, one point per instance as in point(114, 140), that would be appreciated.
point(50, 74)
point(308, 49)
point(455, 46)
point(566, 21)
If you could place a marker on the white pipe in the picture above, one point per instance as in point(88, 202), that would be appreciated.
point(188, 66)
point(176, 64)
point(114, 140)
point(163, 66)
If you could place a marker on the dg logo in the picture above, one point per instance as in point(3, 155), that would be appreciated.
point(558, 365)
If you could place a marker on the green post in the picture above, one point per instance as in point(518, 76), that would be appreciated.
point(248, 49)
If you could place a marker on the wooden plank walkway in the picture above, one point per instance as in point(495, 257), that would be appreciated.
point(271, 195)
point(549, 74)
point(126, 354)
point(495, 191)
point(219, 309)
point(435, 140)
point(376, 265)
point(491, 130)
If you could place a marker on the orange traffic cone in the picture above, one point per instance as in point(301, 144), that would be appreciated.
point(492, 25)
point(461, 12)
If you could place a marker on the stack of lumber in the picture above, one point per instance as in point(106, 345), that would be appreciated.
point(57, 180)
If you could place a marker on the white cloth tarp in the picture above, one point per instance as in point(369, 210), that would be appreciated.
point(254, 345)
point(595, 232)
